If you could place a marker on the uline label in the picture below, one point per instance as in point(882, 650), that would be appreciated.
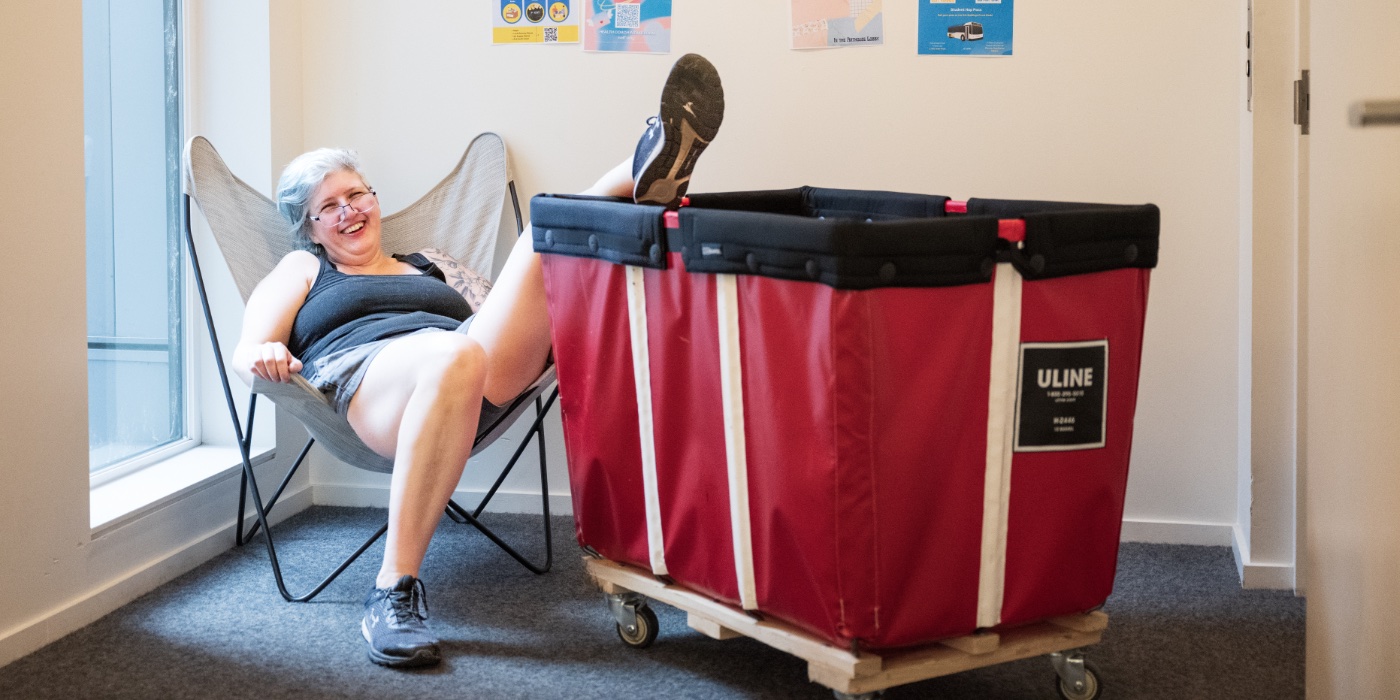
point(1061, 396)
point(1058, 378)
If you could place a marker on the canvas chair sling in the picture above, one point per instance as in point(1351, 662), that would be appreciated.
point(460, 216)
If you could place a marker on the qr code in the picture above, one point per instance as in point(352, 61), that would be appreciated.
point(551, 35)
point(627, 16)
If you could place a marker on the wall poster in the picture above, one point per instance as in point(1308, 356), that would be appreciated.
point(820, 24)
point(965, 27)
point(535, 22)
point(635, 26)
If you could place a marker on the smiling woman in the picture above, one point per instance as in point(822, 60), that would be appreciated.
point(417, 365)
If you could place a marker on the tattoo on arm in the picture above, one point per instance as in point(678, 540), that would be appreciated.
point(472, 286)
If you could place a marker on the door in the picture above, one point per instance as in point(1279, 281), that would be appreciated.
point(1352, 395)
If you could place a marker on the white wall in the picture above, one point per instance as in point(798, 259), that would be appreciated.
point(1129, 113)
point(42, 318)
point(56, 574)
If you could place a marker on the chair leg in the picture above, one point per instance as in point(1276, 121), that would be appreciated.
point(461, 515)
point(272, 503)
point(491, 535)
point(250, 479)
point(249, 483)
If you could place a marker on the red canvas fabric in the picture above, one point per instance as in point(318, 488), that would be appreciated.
point(592, 348)
point(865, 423)
point(1067, 507)
point(692, 481)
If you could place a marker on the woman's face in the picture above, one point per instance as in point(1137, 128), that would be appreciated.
point(354, 240)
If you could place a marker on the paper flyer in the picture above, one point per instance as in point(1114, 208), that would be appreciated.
point(535, 22)
point(965, 27)
point(822, 24)
point(636, 26)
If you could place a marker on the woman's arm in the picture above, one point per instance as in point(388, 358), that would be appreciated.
point(267, 321)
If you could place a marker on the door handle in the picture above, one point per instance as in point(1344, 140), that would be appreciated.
point(1375, 113)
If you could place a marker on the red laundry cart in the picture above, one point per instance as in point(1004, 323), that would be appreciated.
point(881, 419)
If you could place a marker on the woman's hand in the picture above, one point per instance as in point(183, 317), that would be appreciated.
point(271, 361)
point(267, 321)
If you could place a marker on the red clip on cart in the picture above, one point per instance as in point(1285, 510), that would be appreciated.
point(888, 433)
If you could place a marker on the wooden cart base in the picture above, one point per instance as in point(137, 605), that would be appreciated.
point(839, 669)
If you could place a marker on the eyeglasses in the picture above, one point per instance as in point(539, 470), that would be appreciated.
point(359, 203)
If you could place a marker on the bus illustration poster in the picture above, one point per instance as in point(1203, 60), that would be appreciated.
point(966, 27)
point(535, 22)
point(636, 26)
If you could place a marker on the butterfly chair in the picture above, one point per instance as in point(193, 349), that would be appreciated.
point(460, 216)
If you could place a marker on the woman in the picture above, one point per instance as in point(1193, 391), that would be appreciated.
point(402, 355)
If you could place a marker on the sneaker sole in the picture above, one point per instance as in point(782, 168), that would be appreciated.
point(692, 107)
point(422, 657)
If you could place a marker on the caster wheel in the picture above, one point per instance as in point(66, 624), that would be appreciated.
point(1092, 687)
point(858, 696)
point(643, 633)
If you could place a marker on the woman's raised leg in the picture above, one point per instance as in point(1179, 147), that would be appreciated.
point(513, 323)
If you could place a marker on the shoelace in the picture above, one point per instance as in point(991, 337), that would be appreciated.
point(403, 605)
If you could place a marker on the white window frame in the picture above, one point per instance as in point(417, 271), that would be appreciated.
point(187, 308)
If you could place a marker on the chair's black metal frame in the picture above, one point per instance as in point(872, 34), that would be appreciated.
point(243, 433)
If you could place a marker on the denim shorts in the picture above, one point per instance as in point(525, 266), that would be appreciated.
point(339, 374)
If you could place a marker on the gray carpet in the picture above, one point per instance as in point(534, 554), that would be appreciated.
point(1180, 627)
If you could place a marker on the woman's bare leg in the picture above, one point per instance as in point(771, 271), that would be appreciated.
point(419, 403)
point(421, 396)
point(513, 323)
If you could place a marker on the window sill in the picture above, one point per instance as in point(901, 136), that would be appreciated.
point(130, 497)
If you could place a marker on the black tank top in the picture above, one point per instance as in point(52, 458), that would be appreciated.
point(342, 311)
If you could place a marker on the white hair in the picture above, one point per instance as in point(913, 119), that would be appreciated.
point(299, 181)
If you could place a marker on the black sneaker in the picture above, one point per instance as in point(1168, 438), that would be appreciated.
point(692, 106)
point(394, 628)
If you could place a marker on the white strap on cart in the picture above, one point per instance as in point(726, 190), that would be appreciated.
point(732, 393)
point(1001, 406)
point(641, 372)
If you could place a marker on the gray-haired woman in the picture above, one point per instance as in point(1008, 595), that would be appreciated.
point(410, 362)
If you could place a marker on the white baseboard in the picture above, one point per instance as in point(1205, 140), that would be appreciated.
point(1278, 577)
point(1165, 532)
point(1259, 575)
point(375, 496)
point(54, 624)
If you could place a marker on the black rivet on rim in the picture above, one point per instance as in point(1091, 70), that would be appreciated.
point(989, 266)
point(549, 237)
point(593, 242)
point(1130, 253)
point(887, 272)
point(1037, 263)
point(656, 253)
point(752, 261)
point(813, 270)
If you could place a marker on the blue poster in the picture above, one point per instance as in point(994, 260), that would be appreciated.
point(965, 27)
point(639, 26)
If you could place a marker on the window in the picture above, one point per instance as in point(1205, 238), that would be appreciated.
point(135, 265)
